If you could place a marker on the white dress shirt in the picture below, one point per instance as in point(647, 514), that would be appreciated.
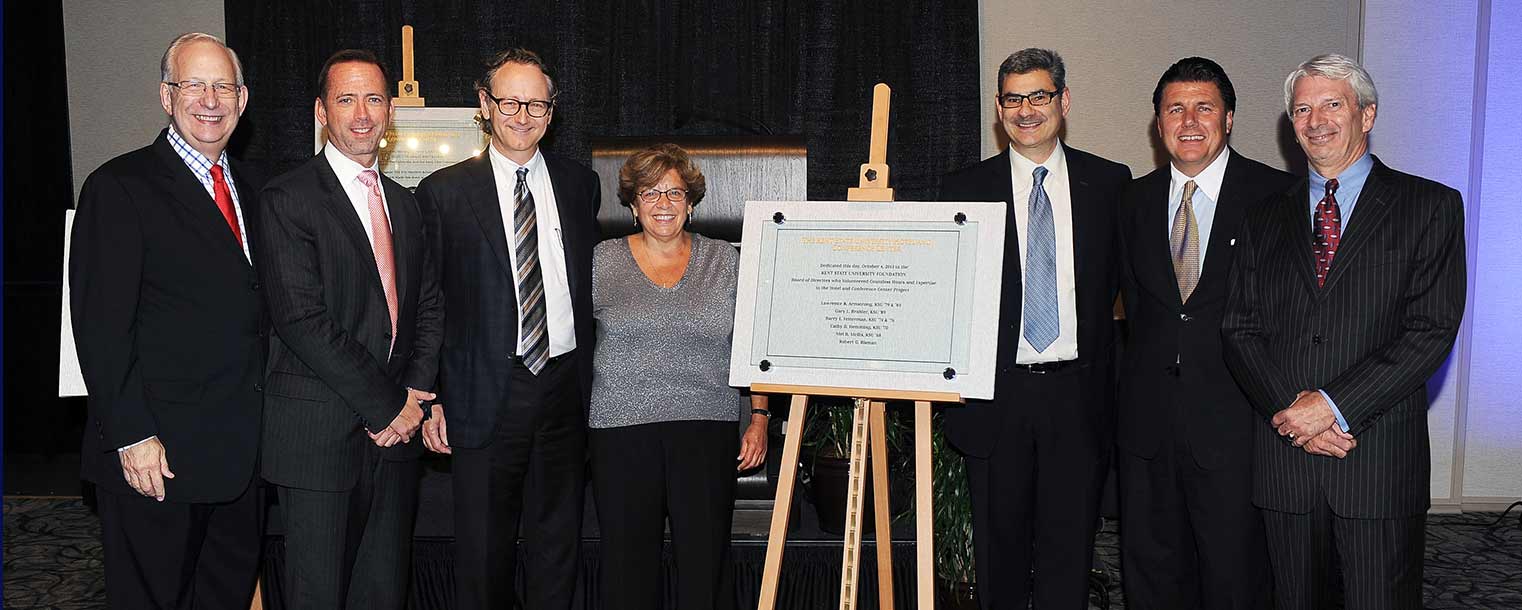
point(1056, 185)
point(359, 194)
point(559, 320)
point(1207, 191)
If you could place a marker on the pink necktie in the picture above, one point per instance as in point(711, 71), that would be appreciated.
point(384, 262)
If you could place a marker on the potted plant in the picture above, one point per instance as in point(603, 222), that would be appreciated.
point(952, 514)
point(827, 435)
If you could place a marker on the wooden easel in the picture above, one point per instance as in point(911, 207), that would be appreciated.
point(868, 426)
point(407, 88)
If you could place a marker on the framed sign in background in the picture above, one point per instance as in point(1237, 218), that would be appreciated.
point(877, 296)
point(421, 141)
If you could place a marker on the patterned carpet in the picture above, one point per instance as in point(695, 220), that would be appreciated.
point(53, 558)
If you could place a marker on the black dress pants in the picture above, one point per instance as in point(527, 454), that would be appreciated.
point(180, 555)
point(643, 474)
point(1035, 498)
point(1190, 537)
point(533, 469)
point(1381, 559)
point(352, 549)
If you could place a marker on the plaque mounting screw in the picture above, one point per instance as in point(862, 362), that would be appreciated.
point(777, 218)
point(871, 175)
point(949, 373)
point(766, 365)
point(960, 218)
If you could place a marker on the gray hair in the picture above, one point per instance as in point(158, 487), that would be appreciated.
point(1029, 60)
point(1335, 67)
point(166, 65)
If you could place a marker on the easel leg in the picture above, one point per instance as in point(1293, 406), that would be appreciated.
point(776, 540)
point(924, 527)
point(877, 432)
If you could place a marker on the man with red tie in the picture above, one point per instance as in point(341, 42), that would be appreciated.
point(349, 295)
point(170, 329)
point(1345, 296)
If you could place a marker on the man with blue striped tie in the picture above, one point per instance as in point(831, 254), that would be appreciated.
point(1037, 454)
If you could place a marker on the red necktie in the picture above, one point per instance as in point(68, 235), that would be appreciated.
point(380, 225)
point(1328, 232)
point(224, 198)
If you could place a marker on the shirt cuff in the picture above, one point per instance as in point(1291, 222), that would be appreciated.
point(1342, 422)
point(124, 449)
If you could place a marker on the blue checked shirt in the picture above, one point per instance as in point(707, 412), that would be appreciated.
point(201, 167)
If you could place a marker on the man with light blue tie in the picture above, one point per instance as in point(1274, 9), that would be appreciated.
point(1037, 454)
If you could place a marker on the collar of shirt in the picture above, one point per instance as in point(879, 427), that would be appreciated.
point(199, 164)
point(508, 167)
point(1207, 182)
point(1349, 185)
point(348, 171)
point(1023, 169)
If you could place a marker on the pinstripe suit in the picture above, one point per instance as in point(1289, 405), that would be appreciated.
point(1382, 324)
point(348, 504)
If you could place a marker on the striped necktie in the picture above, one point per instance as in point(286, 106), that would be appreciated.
point(534, 342)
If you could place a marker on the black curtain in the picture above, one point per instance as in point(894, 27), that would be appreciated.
point(652, 67)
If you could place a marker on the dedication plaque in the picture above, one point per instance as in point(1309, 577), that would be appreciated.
point(869, 295)
point(421, 141)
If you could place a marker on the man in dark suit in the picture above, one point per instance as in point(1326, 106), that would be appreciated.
point(1346, 295)
point(1190, 536)
point(1038, 453)
point(170, 330)
point(352, 298)
point(513, 231)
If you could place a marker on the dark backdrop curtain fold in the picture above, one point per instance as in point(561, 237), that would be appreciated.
point(651, 67)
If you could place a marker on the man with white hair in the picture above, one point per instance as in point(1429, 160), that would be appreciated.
point(1346, 295)
point(171, 332)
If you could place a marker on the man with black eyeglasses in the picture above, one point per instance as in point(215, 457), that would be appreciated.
point(512, 231)
point(1037, 454)
point(170, 327)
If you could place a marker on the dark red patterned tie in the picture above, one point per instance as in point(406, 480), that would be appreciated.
point(1328, 232)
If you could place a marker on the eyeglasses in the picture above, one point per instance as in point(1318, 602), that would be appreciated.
point(197, 88)
point(1037, 98)
point(509, 106)
point(673, 194)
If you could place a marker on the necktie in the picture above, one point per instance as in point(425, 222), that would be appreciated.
point(535, 341)
point(1184, 241)
point(385, 264)
point(224, 197)
point(1328, 232)
point(1041, 316)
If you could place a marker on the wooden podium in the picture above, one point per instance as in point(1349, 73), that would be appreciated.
point(869, 425)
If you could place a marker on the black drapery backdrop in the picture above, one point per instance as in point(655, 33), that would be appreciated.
point(651, 67)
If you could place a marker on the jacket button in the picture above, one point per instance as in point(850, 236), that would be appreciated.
point(1316, 339)
point(255, 286)
point(258, 387)
point(1185, 317)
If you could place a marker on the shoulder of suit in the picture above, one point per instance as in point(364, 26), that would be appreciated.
point(1412, 183)
point(456, 172)
point(298, 177)
point(1090, 162)
point(569, 165)
point(989, 165)
point(128, 163)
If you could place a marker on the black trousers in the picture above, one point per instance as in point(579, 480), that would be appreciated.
point(1035, 498)
point(352, 549)
point(1381, 560)
point(641, 475)
point(180, 555)
point(533, 470)
point(1190, 537)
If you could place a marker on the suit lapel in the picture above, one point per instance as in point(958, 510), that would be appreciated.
point(403, 218)
point(1228, 216)
point(1372, 206)
point(336, 200)
point(1001, 185)
point(483, 200)
point(187, 191)
point(1295, 224)
point(1156, 262)
point(566, 207)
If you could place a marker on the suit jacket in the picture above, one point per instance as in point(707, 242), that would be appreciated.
point(1382, 324)
point(330, 378)
point(169, 324)
point(480, 335)
point(1173, 378)
point(1095, 185)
